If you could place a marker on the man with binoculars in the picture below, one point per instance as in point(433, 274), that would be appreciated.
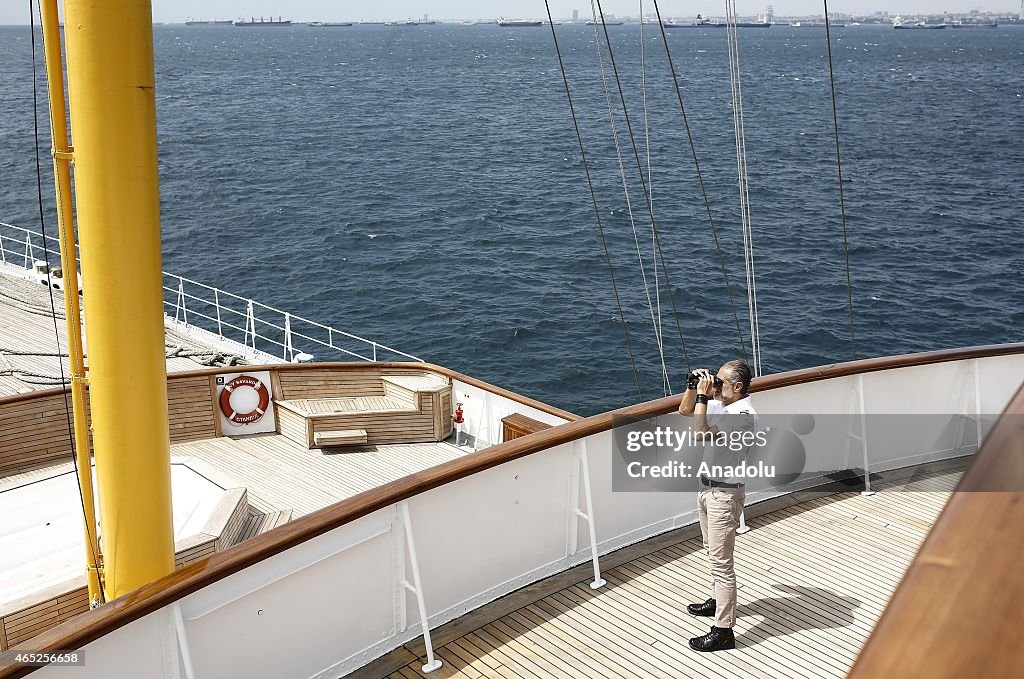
point(716, 403)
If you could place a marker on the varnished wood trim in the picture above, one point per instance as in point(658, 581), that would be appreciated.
point(883, 363)
point(957, 610)
point(217, 426)
point(92, 625)
point(275, 385)
point(517, 425)
point(277, 368)
point(766, 382)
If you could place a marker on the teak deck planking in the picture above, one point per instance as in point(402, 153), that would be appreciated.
point(813, 579)
point(282, 475)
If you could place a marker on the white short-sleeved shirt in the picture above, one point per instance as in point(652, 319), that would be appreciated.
point(717, 410)
point(733, 419)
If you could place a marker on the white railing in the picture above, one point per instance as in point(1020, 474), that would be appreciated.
point(230, 318)
point(20, 247)
point(261, 327)
point(349, 595)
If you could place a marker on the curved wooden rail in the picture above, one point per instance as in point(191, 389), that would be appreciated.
point(957, 611)
point(92, 625)
point(340, 367)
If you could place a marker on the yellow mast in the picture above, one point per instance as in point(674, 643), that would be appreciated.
point(113, 126)
point(69, 266)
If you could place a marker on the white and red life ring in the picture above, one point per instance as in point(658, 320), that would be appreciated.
point(252, 415)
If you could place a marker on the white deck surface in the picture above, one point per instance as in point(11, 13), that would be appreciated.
point(41, 535)
point(281, 474)
point(41, 538)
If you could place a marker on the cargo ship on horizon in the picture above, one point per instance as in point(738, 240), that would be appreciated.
point(921, 25)
point(263, 22)
point(518, 23)
point(702, 22)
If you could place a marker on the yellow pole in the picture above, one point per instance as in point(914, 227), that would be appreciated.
point(69, 266)
point(113, 127)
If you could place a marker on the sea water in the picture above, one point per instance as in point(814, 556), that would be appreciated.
point(423, 187)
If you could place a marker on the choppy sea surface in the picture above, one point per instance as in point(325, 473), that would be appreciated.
point(423, 187)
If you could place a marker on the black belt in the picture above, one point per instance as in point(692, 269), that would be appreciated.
point(718, 484)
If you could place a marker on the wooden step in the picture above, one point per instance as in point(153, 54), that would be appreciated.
point(257, 522)
point(342, 437)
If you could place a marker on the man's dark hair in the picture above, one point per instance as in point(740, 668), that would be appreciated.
point(739, 371)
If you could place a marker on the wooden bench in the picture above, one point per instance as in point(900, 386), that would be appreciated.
point(403, 408)
point(341, 437)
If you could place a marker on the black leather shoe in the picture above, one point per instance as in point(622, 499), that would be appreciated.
point(706, 609)
point(718, 639)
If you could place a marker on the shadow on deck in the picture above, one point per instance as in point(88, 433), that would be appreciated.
point(814, 574)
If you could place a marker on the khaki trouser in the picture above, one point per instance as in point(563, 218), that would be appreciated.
point(719, 510)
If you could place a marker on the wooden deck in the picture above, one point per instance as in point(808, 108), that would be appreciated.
point(813, 580)
point(28, 345)
point(283, 475)
point(355, 404)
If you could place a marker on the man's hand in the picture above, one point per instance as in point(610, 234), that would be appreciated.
point(706, 386)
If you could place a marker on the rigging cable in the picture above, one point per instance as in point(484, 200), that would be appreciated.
point(625, 190)
point(658, 328)
point(593, 198)
point(735, 82)
point(636, 155)
point(700, 178)
point(842, 200)
point(49, 284)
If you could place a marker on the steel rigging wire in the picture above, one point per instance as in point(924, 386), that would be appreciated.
point(643, 182)
point(597, 211)
point(629, 204)
point(700, 177)
point(91, 530)
point(658, 328)
point(839, 169)
point(736, 88)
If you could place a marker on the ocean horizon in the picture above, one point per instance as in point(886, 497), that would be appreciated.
point(424, 188)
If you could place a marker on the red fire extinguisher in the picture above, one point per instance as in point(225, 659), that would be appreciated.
point(457, 417)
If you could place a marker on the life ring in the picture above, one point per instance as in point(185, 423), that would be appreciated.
point(251, 416)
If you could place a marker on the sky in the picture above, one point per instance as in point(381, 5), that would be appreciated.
point(176, 11)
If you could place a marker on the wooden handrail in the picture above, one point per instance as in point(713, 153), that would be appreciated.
point(90, 626)
point(957, 612)
point(337, 366)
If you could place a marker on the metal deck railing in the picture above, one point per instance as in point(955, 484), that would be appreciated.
point(223, 316)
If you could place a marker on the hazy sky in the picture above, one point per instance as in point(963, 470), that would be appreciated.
point(327, 10)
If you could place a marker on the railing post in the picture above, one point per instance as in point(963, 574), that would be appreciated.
point(216, 305)
point(179, 629)
point(250, 324)
point(287, 352)
point(181, 302)
point(977, 400)
point(580, 455)
point(3, 250)
point(417, 588)
point(864, 437)
point(374, 352)
point(971, 387)
point(29, 254)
